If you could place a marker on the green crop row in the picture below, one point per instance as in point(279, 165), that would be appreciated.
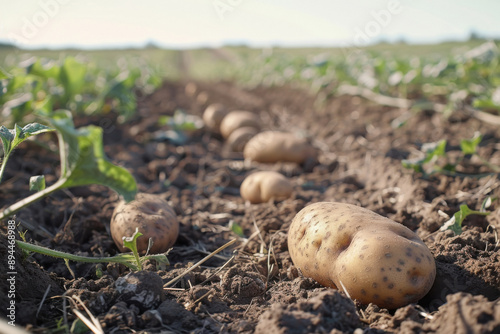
point(73, 84)
point(470, 77)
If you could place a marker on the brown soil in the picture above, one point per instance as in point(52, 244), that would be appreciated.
point(359, 163)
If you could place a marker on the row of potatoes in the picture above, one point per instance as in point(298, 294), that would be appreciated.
point(242, 132)
point(372, 259)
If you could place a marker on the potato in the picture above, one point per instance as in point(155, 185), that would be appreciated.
point(154, 218)
point(276, 146)
point(213, 115)
point(260, 187)
point(370, 257)
point(190, 89)
point(238, 119)
point(240, 137)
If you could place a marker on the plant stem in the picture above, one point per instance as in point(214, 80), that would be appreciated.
point(32, 198)
point(125, 259)
point(4, 163)
point(137, 259)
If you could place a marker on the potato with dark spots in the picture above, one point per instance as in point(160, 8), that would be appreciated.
point(260, 187)
point(152, 216)
point(238, 119)
point(278, 146)
point(371, 258)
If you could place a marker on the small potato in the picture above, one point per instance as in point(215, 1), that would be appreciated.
point(372, 258)
point(213, 115)
point(154, 218)
point(240, 137)
point(260, 187)
point(238, 119)
point(276, 146)
point(190, 89)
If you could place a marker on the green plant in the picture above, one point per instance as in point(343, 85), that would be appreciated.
point(455, 222)
point(82, 162)
point(131, 260)
point(179, 125)
point(82, 86)
point(427, 163)
point(12, 138)
point(469, 147)
point(431, 151)
point(37, 183)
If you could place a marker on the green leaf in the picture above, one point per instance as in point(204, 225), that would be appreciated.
point(434, 150)
point(487, 203)
point(72, 76)
point(7, 137)
point(236, 228)
point(16, 83)
point(49, 70)
point(455, 223)
point(486, 104)
point(83, 161)
point(163, 120)
point(415, 164)
point(37, 183)
point(131, 243)
point(12, 138)
point(4, 74)
point(79, 327)
point(431, 150)
point(469, 146)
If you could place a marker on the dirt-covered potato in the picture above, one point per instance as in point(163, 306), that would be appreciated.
point(372, 258)
point(240, 137)
point(213, 115)
point(154, 218)
point(276, 146)
point(260, 187)
point(238, 119)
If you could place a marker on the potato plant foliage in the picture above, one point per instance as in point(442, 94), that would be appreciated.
point(82, 162)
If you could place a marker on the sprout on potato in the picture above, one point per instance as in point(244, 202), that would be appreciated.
point(152, 216)
point(261, 186)
point(213, 115)
point(372, 258)
point(238, 119)
point(276, 146)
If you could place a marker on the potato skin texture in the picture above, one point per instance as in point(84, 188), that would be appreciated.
point(154, 218)
point(276, 146)
point(260, 187)
point(373, 258)
point(240, 137)
point(238, 119)
point(213, 116)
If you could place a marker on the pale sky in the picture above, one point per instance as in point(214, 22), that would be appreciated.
point(194, 23)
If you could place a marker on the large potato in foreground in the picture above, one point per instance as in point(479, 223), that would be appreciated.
point(213, 116)
point(238, 119)
point(276, 146)
point(370, 257)
point(260, 187)
point(154, 218)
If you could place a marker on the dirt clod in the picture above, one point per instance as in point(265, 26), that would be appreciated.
point(322, 313)
point(143, 289)
point(464, 313)
point(243, 283)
